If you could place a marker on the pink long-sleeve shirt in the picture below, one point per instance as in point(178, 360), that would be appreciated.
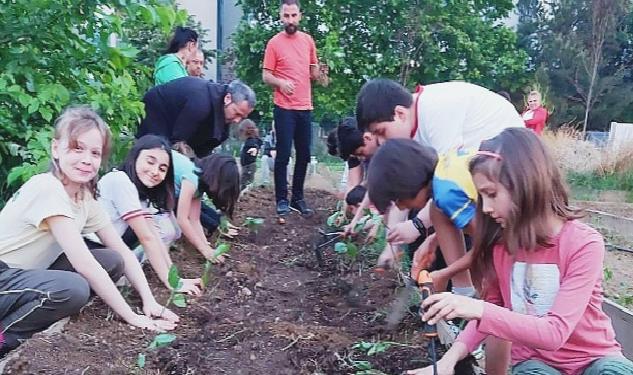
point(548, 303)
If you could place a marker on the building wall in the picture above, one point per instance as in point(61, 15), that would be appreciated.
point(231, 14)
point(205, 12)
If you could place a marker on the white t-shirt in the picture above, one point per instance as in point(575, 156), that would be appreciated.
point(119, 197)
point(25, 240)
point(460, 114)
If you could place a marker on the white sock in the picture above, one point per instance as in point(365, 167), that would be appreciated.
point(467, 291)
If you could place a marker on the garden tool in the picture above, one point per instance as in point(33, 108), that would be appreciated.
point(326, 239)
point(425, 283)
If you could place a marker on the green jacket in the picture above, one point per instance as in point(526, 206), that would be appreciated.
point(168, 67)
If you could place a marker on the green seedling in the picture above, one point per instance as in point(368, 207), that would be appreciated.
point(253, 224)
point(608, 274)
point(161, 340)
point(204, 280)
point(221, 248)
point(372, 348)
point(224, 224)
point(348, 248)
point(175, 284)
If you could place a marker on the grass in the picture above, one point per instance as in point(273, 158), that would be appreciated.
point(590, 169)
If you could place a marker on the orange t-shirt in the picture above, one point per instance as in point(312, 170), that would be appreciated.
point(289, 57)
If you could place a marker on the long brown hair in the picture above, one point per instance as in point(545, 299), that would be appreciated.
point(73, 122)
point(524, 167)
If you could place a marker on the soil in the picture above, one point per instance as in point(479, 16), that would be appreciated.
point(618, 281)
point(269, 309)
point(614, 208)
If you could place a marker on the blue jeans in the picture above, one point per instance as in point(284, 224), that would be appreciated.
point(291, 125)
point(602, 366)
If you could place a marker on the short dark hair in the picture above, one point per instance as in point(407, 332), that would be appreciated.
point(290, 2)
point(356, 195)
point(377, 101)
point(220, 179)
point(399, 170)
point(161, 195)
point(182, 36)
point(345, 139)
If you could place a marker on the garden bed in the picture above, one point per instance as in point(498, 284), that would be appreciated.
point(270, 309)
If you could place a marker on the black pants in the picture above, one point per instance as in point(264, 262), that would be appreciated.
point(31, 300)
point(292, 125)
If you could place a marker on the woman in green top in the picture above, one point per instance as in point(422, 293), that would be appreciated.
point(182, 46)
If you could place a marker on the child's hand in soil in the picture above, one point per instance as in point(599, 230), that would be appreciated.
point(154, 309)
point(157, 325)
point(191, 287)
point(209, 253)
point(403, 233)
point(230, 233)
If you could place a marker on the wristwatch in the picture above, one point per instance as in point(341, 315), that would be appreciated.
point(417, 223)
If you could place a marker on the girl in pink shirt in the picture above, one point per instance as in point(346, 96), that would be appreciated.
point(539, 269)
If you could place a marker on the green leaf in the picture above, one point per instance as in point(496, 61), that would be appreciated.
point(179, 300)
point(162, 340)
point(140, 360)
point(352, 250)
point(204, 280)
point(173, 278)
point(340, 247)
point(222, 248)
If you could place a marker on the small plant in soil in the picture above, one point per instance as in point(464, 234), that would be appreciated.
point(221, 248)
point(253, 224)
point(175, 283)
point(160, 341)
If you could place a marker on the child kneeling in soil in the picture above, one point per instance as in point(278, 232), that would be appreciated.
point(46, 269)
point(139, 198)
point(217, 176)
point(537, 267)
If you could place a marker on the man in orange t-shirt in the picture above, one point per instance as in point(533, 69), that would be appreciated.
point(535, 115)
point(290, 62)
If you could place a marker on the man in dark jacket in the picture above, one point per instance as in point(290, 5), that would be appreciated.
point(196, 111)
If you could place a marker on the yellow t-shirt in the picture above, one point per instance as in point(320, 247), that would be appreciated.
point(25, 240)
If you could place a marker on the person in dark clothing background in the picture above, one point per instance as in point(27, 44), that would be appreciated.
point(250, 150)
point(196, 111)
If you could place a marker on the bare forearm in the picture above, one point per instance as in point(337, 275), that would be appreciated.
point(134, 274)
point(158, 257)
point(106, 290)
point(271, 80)
point(191, 234)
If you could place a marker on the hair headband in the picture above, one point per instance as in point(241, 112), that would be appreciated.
point(490, 154)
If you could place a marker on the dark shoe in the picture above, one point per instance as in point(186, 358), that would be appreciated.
point(282, 207)
point(301, 207)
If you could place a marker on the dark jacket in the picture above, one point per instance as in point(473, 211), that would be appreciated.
point(188, 109)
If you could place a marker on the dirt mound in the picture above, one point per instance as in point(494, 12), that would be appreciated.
point(269, 309)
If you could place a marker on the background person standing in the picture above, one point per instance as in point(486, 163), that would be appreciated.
point(290, 62)
point(535, 115)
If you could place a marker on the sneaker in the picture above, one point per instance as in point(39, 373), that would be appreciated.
point(301, 207)
point(282, 207)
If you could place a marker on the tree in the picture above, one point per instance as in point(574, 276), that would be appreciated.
point(585, 61)
point(58, 53)
point(415, 41)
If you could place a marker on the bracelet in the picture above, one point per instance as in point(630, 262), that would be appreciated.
point(417, 223)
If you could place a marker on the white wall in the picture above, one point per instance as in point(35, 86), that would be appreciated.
point(205, 12)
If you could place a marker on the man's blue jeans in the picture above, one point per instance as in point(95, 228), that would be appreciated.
point(291, 125)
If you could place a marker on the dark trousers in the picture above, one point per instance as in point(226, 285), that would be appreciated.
point(291, 125)
point(209, 218)
point(31, 300)
point(248, 175)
